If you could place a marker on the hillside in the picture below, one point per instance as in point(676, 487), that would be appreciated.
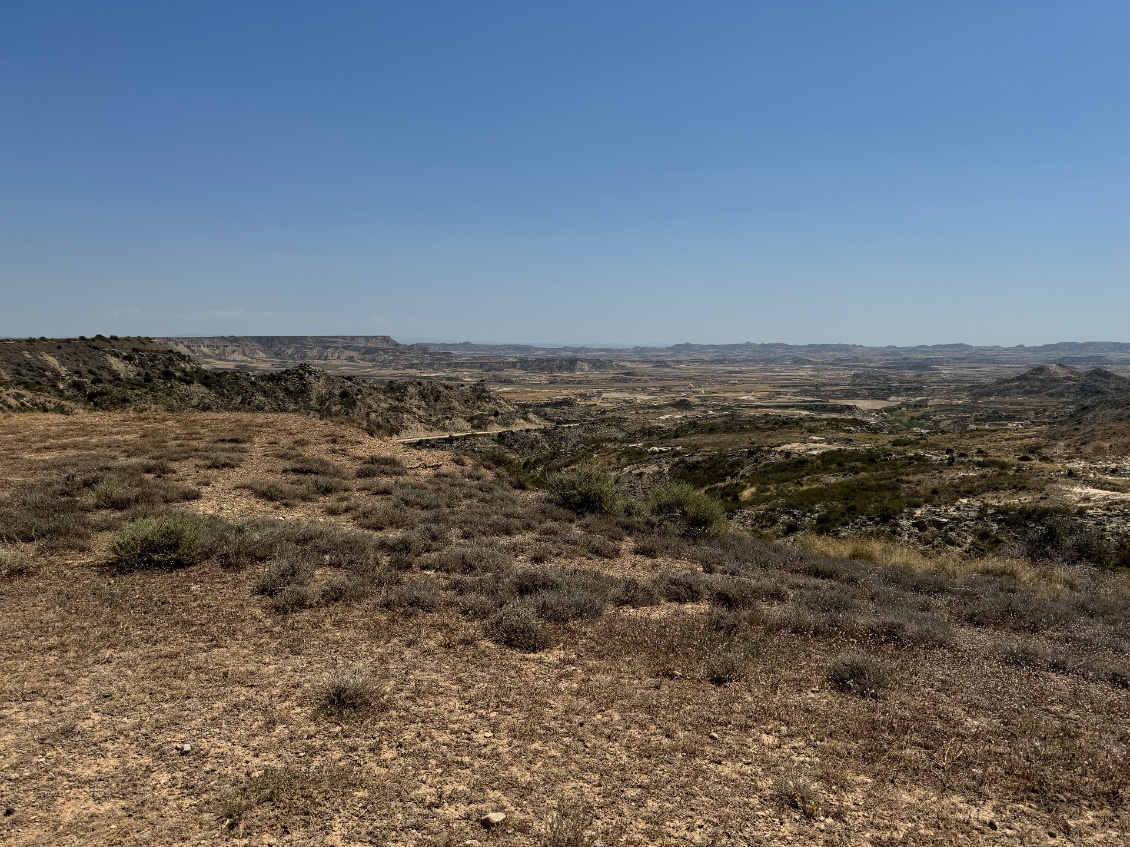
point(292, 348)
point(68, 375)
point(255, 629)
point(1058, 382)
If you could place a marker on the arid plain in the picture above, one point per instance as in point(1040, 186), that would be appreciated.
point(679, 598)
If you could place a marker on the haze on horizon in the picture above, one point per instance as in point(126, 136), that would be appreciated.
point(586, 173)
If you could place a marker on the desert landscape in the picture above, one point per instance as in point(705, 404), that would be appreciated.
point(534, 596)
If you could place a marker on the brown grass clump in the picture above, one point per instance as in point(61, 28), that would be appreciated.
point(517, 625)
point(796, 791)
point(276, 491)
point(16, 561)
point(859, 674)
point(346, 696)
point(42, 514)
point(381, 466)
point(569, 827)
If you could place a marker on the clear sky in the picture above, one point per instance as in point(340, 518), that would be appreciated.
point(895, 172)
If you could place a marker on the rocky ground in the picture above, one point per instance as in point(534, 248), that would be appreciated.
point(375, 644)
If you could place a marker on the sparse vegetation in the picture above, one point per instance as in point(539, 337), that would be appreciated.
point(650, 617)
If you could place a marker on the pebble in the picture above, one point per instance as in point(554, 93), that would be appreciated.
point(493, 819)
point(185, 749)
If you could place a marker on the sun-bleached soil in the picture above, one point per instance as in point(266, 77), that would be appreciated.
point(180, 706)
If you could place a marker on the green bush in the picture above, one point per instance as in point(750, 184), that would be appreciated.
point(170, 540)
point(681, 509)
point(585, 489)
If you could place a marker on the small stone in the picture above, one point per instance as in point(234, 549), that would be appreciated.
point(993, 826)
point(489, 821)
point(9, 811)
point(185, 749)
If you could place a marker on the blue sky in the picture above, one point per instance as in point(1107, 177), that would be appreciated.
point(581, 172)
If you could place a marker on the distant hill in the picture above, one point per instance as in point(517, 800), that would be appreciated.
point(291, 348)
point(69, 375)
point(1059, 383)
point(381, 350)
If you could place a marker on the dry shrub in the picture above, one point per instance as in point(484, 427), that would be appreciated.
point(687, 587)
point(539, 553)
point(910, 629)
point(634, 593)
point(803, 621)
point(384, 516)
point(725, 664)
point(793, 790)
point(346, 695)
point(322, 485)
point(578, 596)
point(293, 598)
point(569, 827)
point(1039, 657)
point(676, 644)
point(342, 588)
point(600, 548)
point(517, 625)
point(313, 466)
point(290, 571)
point(16, 561)
point(471, 558)
point(128, 486)
point(414, 595)
point(340, 505)
point(859, 674)
point(419, 495)
point(659, 546)
point(274, 491)
point(1021, 610)
point(221, 460)
point(41, 513)
point(381, 466)
point(741, 593)
point(287, 788)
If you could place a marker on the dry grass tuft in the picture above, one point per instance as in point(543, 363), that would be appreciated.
point(859, 674)
point(346, 696)
point(569, 827)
